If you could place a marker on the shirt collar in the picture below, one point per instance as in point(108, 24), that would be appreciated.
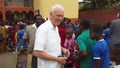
point(34, 25)
point(51, 25)
point(101, 40)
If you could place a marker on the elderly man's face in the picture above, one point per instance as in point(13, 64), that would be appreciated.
point(57, 16)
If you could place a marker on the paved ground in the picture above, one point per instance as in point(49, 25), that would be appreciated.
point(21, 61)
point(8, 60)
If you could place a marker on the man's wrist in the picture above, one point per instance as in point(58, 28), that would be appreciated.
point(54, 58)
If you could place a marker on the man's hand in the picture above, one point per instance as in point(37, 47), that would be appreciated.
point(46, 56)
point(61, 60)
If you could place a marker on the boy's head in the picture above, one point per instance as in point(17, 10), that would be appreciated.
point(22, 26)
point(69, 32)
point(38, 20)
point(108, 25)
point(96, 31)
point(84, 23)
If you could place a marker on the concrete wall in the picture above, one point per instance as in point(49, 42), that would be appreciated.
point(71, 7)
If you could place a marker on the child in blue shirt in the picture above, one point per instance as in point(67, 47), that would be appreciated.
point(101, 56)
point(106, 33)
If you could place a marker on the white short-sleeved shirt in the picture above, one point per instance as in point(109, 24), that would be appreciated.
point(48, 40)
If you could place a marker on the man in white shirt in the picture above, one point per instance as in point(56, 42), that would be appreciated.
point(47, 42)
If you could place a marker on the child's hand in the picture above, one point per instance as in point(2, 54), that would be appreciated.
point(76, 58)
point(66, 52)
point(76, 55)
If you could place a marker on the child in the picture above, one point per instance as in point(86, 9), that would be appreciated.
point(20, 38)
point(69, 44)
point(106, 33)
point(100, 50)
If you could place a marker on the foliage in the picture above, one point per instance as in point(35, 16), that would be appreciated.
point(116, 5)
point(86, 6)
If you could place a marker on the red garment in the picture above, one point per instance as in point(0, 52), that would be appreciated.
point(11, 33)
point(76, 64)
point(76, 46)
point(62, 33)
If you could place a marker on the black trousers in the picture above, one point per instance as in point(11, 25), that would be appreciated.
point(68, 65)
point(115, 53)
point(34, 62)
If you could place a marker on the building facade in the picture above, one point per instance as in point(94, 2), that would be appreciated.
point(16, 10)
point(71, 7)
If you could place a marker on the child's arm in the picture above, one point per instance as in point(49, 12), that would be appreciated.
point(82, 54)
point(96, 63)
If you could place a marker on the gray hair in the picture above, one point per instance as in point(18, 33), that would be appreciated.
point(56, 6)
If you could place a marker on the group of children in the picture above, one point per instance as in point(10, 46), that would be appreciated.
point(100, 49)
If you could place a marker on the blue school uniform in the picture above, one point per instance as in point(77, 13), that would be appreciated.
point(106, 32)
point(101, 52)
point(20, 35)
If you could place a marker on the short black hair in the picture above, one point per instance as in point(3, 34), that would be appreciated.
point(37, 15)
point(108, 24)
point(85, 22)
point(22, 26)
point(98, 28)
